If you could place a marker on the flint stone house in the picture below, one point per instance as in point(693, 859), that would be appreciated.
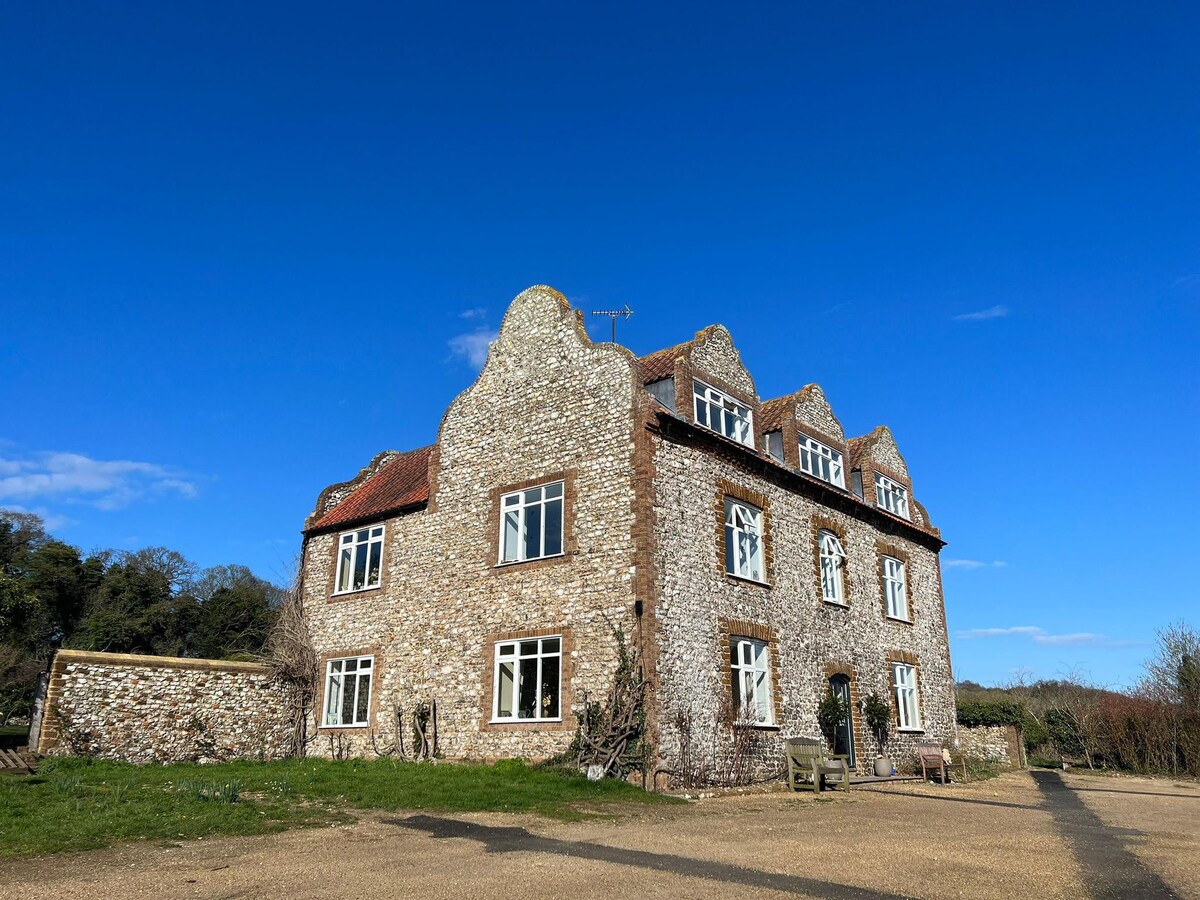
point(757, 557)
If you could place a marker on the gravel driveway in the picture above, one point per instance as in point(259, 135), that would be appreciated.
point(1023, 835)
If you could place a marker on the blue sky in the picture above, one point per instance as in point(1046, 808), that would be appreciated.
point(244, 248)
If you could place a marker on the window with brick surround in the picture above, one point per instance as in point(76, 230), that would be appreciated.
point(528, 680)
point(743, 540)
point(904, 677)
point(751, 681)
point(360, 557)
point(348, 692)
point(718, 411)
point(531, 523)
point(891, 495)
point(821, 461)
point(895, 591)
point(833, 561)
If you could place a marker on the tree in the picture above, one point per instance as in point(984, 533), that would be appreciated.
point(174, 567)
point(1173, 675)
point(234, 621)
point(117, 618)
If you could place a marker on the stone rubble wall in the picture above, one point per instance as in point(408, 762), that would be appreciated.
point(992, 743)
point(150, 709)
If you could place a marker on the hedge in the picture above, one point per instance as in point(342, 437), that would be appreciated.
point(973, 713)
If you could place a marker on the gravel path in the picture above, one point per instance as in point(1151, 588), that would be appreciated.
point(1025, 835)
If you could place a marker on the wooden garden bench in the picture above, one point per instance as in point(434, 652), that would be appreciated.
point(807, 759)
point(931, 759)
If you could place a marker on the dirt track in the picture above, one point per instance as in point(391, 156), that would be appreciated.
point(1024, 835)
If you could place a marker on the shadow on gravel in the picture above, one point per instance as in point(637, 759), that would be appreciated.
point(1091, 790)
point(944, 799)
point(1110, 870)
point(520, 840)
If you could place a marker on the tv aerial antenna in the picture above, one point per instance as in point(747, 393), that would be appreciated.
point(614, 314)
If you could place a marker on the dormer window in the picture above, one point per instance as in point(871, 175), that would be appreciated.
point(891, 495)
point(721, 413)
point(821, 461)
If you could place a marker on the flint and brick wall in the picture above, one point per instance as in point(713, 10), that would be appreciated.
point(548, 405)
point(147, 709)
point(993, 743)
point(644, 513)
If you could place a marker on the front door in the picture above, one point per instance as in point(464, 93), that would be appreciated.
point(843, 738)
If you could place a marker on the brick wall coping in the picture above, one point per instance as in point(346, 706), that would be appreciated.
point(64, 658)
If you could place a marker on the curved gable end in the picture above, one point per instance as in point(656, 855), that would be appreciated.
point(813, 410)
point(542, 351)
point(391, 482)
point(713, 354)
point(879, 448)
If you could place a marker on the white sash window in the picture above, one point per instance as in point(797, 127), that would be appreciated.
point(822, 462)
point(348, 692)
point(905, 678)
point(531, 523)
point(721, 413)
point(833, 560)
point(751, 681)
point(528, 680)
point(360, 557)
point(894, 589)
point(743, 540)
point(891, 495)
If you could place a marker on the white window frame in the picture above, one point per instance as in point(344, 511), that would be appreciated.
point(833, 562)
point(750, 665)
point(908, 702)
point(519, 503)
point(744, 536)
point(891, 495)
point(359, 543)
point(363, 665)
point(895, 588)
point(510, 651)
point(822, 461)
point(735, 420)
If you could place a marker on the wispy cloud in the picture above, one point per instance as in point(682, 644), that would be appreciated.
point(73, 477)
point(995, 312)
point(973, 564)
point(1000, 632)
point(1187, 281)
point(476, 312)
point(50, 521)
point(1040, 636)
point(473, 345)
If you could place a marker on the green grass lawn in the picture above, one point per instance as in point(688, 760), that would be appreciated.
point(79, 804)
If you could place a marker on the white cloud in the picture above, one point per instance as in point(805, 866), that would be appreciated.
point(50, 521)
point(473, 346)
point(998, 632)
point(1040, 636)
point(996, 312)
point(973, 564)
point(477, 312)
point(104, 484)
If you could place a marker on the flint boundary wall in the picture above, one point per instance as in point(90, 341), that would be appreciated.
point(993, 743)
point(160, 709)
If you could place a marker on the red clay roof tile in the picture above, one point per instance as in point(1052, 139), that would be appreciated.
point(404, 481)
